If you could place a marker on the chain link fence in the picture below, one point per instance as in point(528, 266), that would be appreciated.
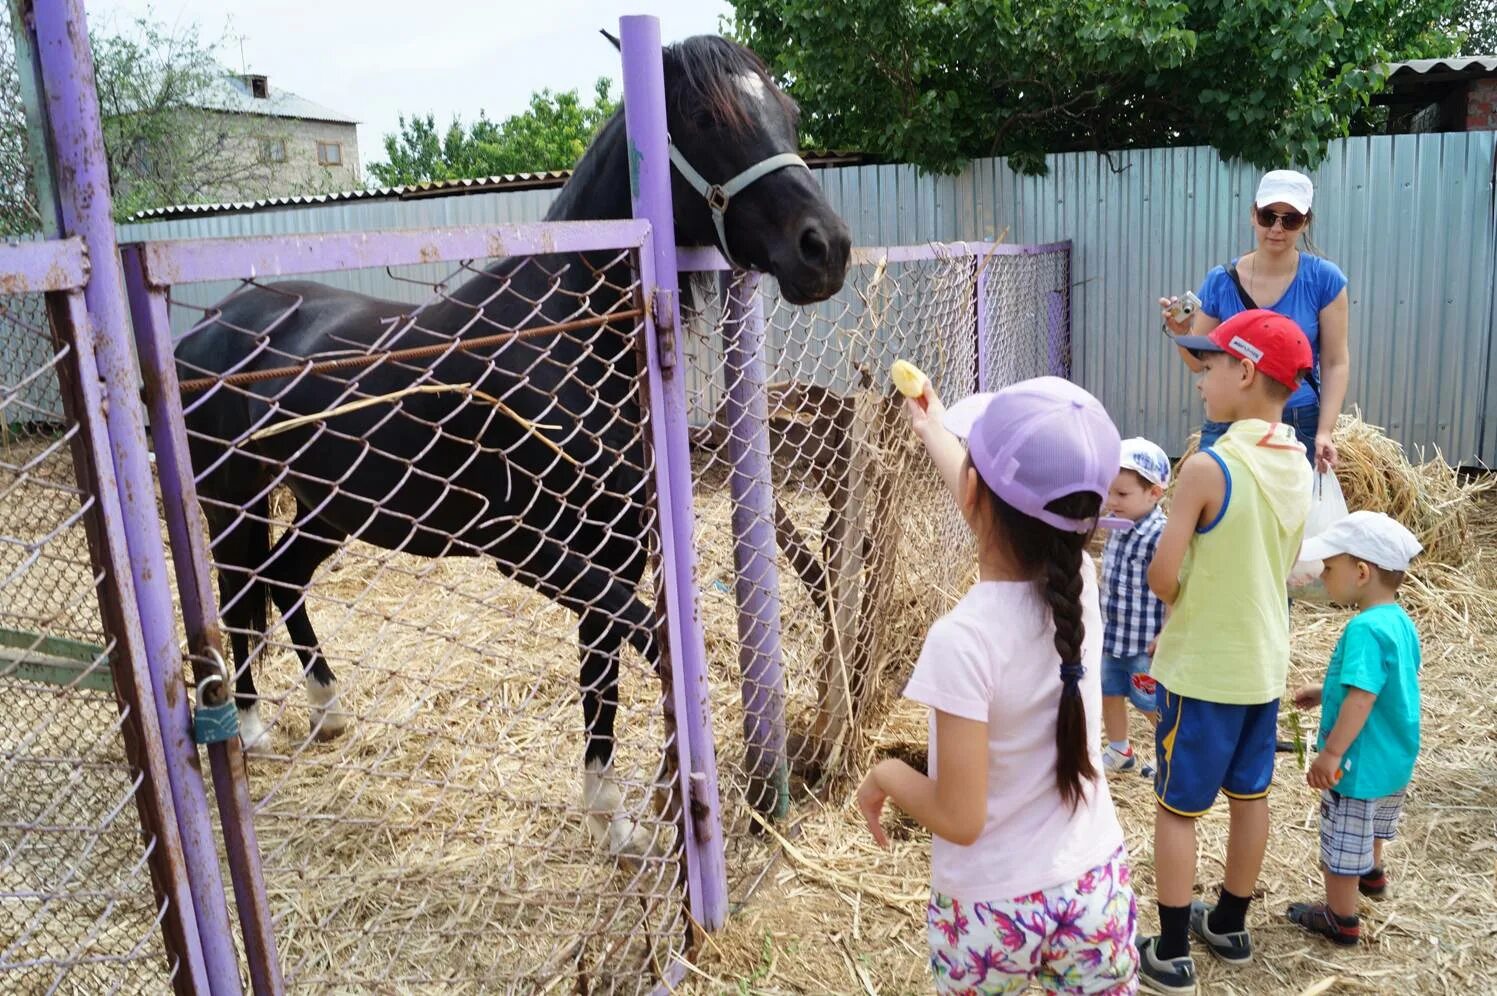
point(817, 595)
point(77, 909)
point(1026, 316)
point(426, 521)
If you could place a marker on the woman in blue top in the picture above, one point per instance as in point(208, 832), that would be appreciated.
point(1310, 289)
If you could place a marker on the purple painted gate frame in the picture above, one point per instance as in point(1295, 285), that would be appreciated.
point(186, 865)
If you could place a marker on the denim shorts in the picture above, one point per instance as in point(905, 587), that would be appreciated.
point(1129, 676)
point(1304, 419)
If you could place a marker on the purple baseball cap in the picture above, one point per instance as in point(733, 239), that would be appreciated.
point(1039, 440)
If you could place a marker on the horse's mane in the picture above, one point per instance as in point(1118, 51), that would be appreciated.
point(708, 65)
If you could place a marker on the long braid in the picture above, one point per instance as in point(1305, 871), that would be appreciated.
point(1073, 765)
point(1054, 558)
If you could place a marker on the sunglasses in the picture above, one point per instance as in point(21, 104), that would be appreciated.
point(1292, 222)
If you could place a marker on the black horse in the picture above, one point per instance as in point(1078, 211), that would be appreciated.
point(552, 483)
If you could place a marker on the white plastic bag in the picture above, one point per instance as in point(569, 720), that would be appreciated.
point(1327, 505)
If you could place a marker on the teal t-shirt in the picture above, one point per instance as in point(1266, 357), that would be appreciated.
point(1378, 653)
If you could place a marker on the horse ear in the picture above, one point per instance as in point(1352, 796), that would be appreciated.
point(611, 38)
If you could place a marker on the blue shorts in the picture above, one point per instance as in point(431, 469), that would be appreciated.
point(1202, 748)
point(1129, 676)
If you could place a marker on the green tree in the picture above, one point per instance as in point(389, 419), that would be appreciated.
point(162, 145)
point(939, 82)
point(1477, 23)
point(551, 133)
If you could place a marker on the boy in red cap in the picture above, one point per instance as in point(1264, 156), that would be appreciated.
point(1233, 532)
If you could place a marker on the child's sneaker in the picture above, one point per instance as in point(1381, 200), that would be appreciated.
point(1172, 976)
point(1317, 918)
point(1118, 760)
point(1374, 884)
point(1236, 947)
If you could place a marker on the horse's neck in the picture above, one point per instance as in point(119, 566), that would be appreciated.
point(598, 188)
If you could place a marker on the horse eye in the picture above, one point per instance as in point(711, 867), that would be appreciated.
point(704, 120)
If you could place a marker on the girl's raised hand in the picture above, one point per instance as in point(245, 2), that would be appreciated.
point(925, 411)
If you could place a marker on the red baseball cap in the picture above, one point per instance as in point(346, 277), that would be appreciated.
point(1276, 344)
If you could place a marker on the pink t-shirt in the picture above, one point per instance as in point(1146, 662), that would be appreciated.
point(993, 658)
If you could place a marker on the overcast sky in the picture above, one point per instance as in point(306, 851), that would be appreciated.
point(377, 59)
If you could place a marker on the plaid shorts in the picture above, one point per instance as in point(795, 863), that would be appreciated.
point(1348, 827)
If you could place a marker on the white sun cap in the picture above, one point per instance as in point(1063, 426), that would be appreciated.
point(1369, 536)
point(1285, 186)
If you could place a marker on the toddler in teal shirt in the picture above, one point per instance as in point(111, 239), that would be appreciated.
point(1369, 717)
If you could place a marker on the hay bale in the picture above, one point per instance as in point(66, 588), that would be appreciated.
point(1429, 497)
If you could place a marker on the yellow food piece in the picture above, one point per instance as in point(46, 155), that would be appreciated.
point(908, 378)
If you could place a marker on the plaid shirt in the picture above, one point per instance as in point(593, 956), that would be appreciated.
point(1132, 614)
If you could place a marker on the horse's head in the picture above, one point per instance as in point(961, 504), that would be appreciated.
point(737, 181)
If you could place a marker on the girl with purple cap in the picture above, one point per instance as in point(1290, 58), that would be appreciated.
point(1029, 875)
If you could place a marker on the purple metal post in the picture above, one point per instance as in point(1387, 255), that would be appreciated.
point(1058, 314)
point(650, 187)
point(981, 292)
point(83, 187)
point(1057, 346)
point(168, 863)
point(190, 557)
point(758, 583)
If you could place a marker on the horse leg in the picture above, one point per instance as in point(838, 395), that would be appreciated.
point(609, 615)
point(239, 544)
point(608, 819)
point(293, 560)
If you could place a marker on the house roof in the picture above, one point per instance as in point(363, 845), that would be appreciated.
point(232, 93)
point(1471, 65)
point(434, 188)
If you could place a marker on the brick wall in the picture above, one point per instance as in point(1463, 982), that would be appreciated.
point(1481, 105)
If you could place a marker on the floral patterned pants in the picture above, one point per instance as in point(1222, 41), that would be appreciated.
point(1074, 938)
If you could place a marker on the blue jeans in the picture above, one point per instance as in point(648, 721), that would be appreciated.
point(1304, 419)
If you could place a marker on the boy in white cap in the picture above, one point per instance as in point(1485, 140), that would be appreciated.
point(1131, 614)
point(1369, 717)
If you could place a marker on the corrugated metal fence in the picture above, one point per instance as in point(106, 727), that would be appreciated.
point(1410, 218)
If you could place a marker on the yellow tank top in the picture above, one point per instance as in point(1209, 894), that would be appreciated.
point(1227, 637)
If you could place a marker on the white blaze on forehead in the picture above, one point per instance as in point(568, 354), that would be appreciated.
point(752, 84)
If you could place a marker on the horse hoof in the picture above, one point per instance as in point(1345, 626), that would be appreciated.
point(254, 736)
point(631, 841)
point(330, 726)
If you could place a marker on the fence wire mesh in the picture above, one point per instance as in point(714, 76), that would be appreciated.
point(1027, 314)
point(442, 527)
point(77, 909)
point(867, 545)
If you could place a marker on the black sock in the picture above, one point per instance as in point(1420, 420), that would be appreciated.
point(1174, 932)
point(1230, 915)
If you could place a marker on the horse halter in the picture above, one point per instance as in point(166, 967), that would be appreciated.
point(718, 195)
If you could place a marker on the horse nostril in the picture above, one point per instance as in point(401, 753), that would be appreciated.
point(813, 247)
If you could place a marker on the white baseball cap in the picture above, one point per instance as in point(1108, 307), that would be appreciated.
point(1146, 459)
point(1285, 186)
point(1369, 536)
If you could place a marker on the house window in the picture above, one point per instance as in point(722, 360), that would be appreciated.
point(329, 154)
point(275, 150)
point(259, 87)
